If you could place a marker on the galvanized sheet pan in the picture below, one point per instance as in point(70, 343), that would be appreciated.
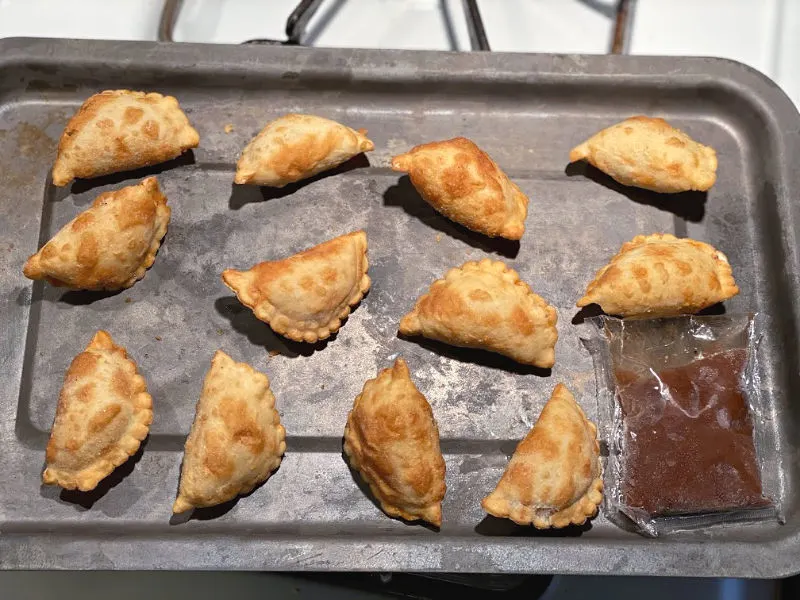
point(527, 112)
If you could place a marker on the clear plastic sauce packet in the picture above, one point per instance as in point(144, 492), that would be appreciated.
point(680, 406)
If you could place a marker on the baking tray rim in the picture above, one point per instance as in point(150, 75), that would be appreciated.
point(775, 558)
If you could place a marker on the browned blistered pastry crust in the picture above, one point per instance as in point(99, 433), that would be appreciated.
point(392, 440)
point(651, 154)
point(104, 412)
point(486, 305)
point(110, 245)
point(305, 297)
point(463, 183)
point(120, 130)
point(295, 147)
point(661, 275)
point(236, 440)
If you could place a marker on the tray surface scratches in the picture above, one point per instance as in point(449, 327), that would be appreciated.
point(526, 112)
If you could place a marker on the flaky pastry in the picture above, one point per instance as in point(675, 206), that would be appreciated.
point(660, 275)
point(120, 130)
point(110, 245)
point(554, 477)
point(104, 412)
point(463, 183)
point(651, 154)
point(486, 305)
point(305, 297)
point(296, 147)
point(236, 440)
point(392, 440)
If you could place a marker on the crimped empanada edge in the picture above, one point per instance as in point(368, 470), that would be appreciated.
point(163, 215)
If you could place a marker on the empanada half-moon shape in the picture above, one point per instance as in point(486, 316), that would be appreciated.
point(296, 147)
point(392, 440)
point(486, 305)
point(660, 275)
point(463, 183)
point(104, 412)
point(121, 130)
point(110, 245)
point(554, 477)
point(305, 297)
point(236, 440)
point(651, 154)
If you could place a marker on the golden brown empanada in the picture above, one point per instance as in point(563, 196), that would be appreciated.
point(661, 275)
point(110, 245)
point(486, 305)
point(236, 440)
point(305, 297)
point(121, 130)
point(295, 147)
point(651, 154)
point(104, 412)
point(554, 477)
point(460, 181)
point(392, 440)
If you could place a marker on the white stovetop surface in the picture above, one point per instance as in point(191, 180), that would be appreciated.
point(756, 32)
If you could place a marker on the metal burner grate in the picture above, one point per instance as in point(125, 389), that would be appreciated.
point(297, 23)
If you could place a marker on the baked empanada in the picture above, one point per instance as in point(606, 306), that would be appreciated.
point(296, 147)
point(110, 245)
point(392, 440)
point(486, 305)
point(236, 440)
point(554, 477)
point(104, 412)
point(463, 183)
point(651, 154)
point(660, 275)
point(121, 130)
point(305, 297)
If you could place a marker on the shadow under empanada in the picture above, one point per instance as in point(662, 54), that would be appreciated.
point(86, 500)
point(259, 333)
point(85, 297)
point(587, 312)
point(493, 526)
point(594, 310)
point(713, 310)
point(404, 195)
point(209, 513)
point(690, 206)
point(364, 487)
point(483, 358)
point(245, 194)
point(80, 186)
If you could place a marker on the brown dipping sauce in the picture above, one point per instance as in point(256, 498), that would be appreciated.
point(689, 439)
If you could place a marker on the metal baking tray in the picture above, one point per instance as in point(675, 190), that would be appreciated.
point(527, 111)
